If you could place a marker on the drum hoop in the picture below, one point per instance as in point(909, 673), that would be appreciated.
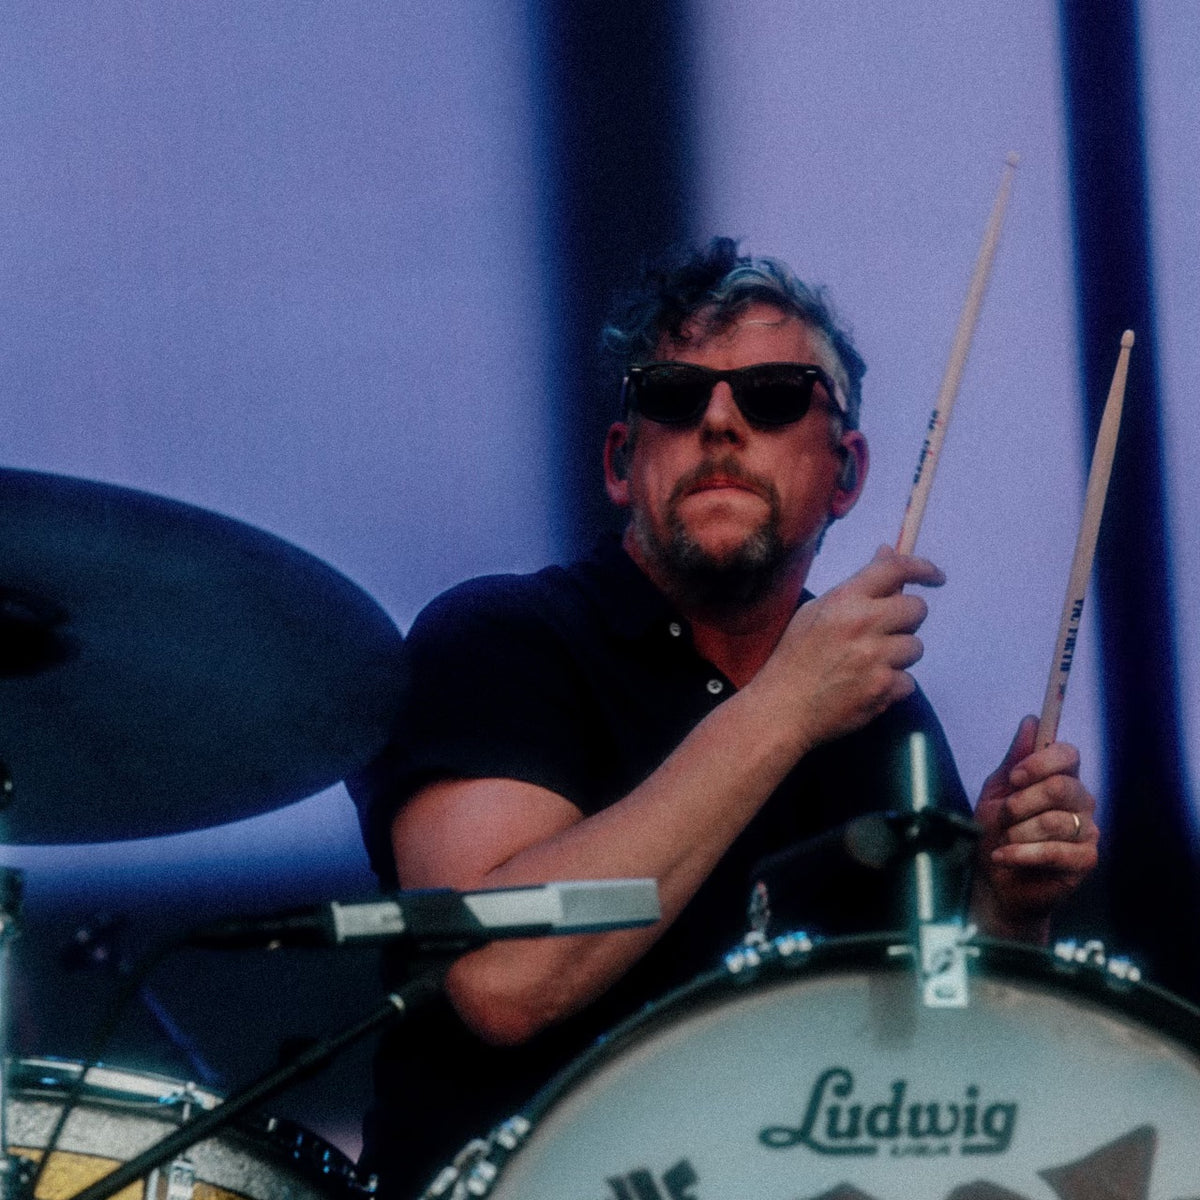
point(277, 1140)
point(1160, 1010)
point(1087, 976)
point(120, 1087)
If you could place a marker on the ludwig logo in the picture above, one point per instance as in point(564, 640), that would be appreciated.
point(836, 1121)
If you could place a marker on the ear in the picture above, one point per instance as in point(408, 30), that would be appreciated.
point(852, 476)
point(616, 464)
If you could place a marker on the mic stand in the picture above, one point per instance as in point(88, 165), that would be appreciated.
point(857, 855)
point(941, 945)
point(400, 1004)
point(13, 1168)
point(446, 922)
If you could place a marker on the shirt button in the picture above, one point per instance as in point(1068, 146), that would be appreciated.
point(675, 629)
point(715, 687)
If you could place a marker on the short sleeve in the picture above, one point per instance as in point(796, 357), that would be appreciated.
point(492, 692)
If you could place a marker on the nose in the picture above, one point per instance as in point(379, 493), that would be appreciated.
point(722, 418)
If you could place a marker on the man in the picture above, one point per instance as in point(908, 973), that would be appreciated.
point(677, 707)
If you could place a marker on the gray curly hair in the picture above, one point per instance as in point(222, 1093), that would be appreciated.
point(721, 284)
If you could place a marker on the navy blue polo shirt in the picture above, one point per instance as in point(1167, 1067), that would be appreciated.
point(582, 679)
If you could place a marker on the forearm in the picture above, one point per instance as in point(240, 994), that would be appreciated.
point(842, 660)
point(674, 827)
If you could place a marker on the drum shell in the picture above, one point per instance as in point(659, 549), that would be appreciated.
point(748, 1084)
point(121, 1113)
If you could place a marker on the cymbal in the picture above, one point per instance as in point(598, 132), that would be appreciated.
point(164, 668)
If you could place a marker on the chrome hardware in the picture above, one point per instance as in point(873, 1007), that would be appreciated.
point(756, 950)
point(179, 1183)
point(473, 1172)
point(943, 961)
point(1093, 954)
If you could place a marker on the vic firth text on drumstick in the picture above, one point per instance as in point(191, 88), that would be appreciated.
point(1085, 547)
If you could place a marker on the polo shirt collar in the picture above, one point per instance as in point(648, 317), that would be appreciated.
point(630, 604)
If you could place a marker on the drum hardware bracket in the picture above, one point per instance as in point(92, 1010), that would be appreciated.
point(180, 1181)
point(942, 947)
point(185, 1096)
point(944, 979)
point(756, 950)
point(1092, 953)
point(473, 1172)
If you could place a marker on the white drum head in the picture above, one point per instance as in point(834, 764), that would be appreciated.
point(829, 1080)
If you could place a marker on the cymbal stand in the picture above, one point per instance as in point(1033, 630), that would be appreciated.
point(401, 1003)
point(941, 945)
point(13, 1169)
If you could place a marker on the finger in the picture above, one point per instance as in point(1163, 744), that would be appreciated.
point(888, 572)
point(1073, 858)
point(903, 686)
point(902, 613)
point(903, 650)
point(1054, 825)
point(1059, 758)
point(1063, 792)
point(1024, 740)
point(882, 686)
point(1021, 747)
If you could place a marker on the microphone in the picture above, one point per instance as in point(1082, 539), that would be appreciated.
point(445, 918)
point(850, 870)
point(880, 840)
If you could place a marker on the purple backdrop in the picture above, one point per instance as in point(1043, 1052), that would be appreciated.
point(283, 262)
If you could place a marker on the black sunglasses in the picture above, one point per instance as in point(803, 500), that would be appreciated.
point(767, 394)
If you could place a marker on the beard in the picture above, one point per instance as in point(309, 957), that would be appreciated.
point(739, 575)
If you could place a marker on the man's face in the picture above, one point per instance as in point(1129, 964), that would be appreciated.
point(721, 498)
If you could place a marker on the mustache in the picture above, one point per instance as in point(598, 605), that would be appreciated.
point(724, 468)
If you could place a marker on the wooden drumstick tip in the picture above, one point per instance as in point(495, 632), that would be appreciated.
point(1013, 159)
point(948, 392)
point(1085, 547)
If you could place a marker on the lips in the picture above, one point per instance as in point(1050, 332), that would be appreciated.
point(721, 482)
point(722, 474)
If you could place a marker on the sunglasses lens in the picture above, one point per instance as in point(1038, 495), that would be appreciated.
point(774, 395)
point(670, 394)
point(767, 393)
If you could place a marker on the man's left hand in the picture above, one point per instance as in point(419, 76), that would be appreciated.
point(1039, 837)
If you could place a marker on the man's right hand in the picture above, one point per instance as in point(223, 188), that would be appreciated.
point(843, 658)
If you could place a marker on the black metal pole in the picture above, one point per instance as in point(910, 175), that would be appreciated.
point(616, 153)
point(1151, 861)
point(400, 1004)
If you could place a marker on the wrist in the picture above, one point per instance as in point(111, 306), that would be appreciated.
point(790, 719)
point(1006, 921)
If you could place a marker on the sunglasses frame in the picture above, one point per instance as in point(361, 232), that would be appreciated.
point(734, 377)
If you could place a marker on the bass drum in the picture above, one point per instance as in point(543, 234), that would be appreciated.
point(807, 1072)
point(121, 1113)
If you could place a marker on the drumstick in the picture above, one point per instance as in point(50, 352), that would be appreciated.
point(1085, 548)
point(935, 434)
